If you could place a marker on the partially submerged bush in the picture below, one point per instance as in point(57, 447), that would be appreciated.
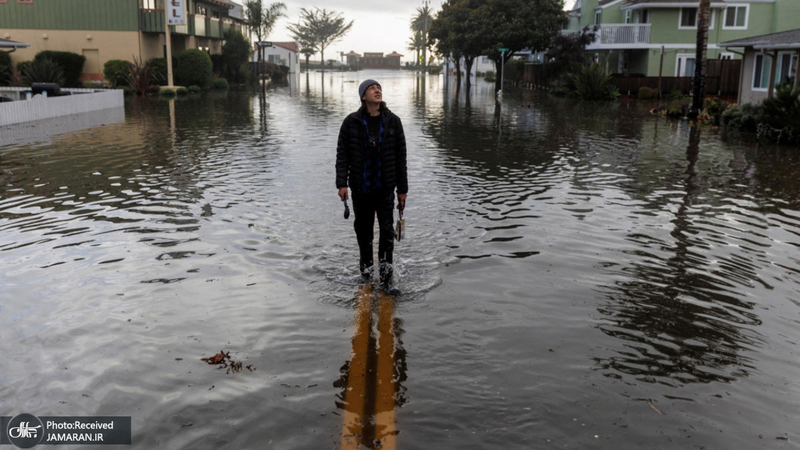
point(194, 67)
point(194, 88)
point(646, 93)
point(116, 71)
point(42, 70)
point(220, 83)
point(182, 91)
point(592, 82)
point(5, 68)
point(780, 116)
point(71, 65)
point(166, 93)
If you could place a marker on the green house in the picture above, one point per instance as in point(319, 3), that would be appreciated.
point(632, 34)
point(103, 30)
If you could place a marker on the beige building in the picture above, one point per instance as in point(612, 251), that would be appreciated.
point(102, 30)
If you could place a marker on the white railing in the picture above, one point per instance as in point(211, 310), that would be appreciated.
point(623, 33)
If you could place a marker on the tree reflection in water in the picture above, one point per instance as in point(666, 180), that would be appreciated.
point(680, 321)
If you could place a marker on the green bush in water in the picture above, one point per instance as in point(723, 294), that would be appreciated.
point(116, 72)
point(646, 93)
point(194, 88)
point(220, 83)
point(182, 91)
point(42, 70)
point(592, 82)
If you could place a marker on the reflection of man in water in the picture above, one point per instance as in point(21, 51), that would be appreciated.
point(371, 160)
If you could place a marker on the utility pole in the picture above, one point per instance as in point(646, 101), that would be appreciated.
point(703, 14)
point(174, 14)
point(660, 72)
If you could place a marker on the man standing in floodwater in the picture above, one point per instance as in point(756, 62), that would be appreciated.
point(371, 160)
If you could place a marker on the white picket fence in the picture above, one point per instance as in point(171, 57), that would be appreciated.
point(40, 107)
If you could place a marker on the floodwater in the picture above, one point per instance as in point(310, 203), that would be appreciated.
point(573, 276)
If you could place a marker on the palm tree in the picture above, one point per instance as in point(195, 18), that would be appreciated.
point(422, 23)
point(261, 21)
point(416, 43)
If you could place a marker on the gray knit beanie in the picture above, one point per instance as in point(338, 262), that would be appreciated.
point(362, 89)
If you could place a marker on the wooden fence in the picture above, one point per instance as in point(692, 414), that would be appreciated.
point(722, 78)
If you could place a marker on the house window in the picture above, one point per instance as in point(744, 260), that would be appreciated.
point(149, 4)
point(597, 17)
point(763, 67)
point(485, 60)
point(688, 18)
point(644, 16)
point(736, 17)
point(215, 14)
point(726, 56)
point(684, 66)
point(201, 10)
point(761, 70)
point(628, 16)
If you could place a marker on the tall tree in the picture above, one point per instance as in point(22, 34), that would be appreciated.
point(457, 31)
point(319, 29)
point(421, 23)
point(703, 15)
point(516, 25)
point(262, 20)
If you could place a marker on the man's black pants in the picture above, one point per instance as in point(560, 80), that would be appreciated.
point(366, 207)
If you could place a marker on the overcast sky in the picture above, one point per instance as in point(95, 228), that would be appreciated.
point(380, 25)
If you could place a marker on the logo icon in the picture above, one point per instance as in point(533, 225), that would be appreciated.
point(25, 431)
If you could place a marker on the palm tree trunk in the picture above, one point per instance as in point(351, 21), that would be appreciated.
point(700, 58)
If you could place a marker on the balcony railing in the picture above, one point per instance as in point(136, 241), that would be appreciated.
point(618, 34)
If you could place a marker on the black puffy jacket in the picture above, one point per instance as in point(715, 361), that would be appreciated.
point(351, 149)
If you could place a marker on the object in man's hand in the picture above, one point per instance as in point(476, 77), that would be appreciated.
point(346, 209)
point(401, 227)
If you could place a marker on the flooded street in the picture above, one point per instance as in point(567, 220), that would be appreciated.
point(573, 276)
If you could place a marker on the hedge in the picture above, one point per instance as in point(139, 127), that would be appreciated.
point(194, 67)
point(5, 68)
point(70, 63)
point(116, 71)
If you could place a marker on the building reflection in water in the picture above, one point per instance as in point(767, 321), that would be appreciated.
point(372, 381)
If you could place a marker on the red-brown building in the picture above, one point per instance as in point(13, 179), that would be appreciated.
point(375, 60)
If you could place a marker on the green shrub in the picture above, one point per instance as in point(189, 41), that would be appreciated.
point(194, 67)
point(22, 66)
point(220, 83)
point(780, 116)
point(591, 82)
point(277, 73)
point(194, 88)
point(71, 64)
point(646, 93)
point(182, 91)
point(42, 70)
point(246, 75)
point(166, 93)
point(489, 76)
point(217, 64)
point(158, 67)
point(153, 89)
point(742, 117)
point(116, 72)
point(5, 68)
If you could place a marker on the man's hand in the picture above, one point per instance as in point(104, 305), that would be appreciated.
point(343, 193)
point(401, 201)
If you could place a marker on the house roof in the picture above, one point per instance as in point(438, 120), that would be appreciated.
point(224, 3)
point(785, 39)
point(576, 6)
point(291, 46)
point(352, 53)
point(393, 54)
point(5, 43)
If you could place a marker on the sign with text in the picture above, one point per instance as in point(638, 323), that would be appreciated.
point(27, 430)
point(175, 12)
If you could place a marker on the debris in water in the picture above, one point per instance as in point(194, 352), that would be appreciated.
point(224, 360)
point(655, 409)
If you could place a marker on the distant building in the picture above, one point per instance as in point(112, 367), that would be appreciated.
point(102, 30)
point(353, 59)
point(280, 53)
point(378, 61)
